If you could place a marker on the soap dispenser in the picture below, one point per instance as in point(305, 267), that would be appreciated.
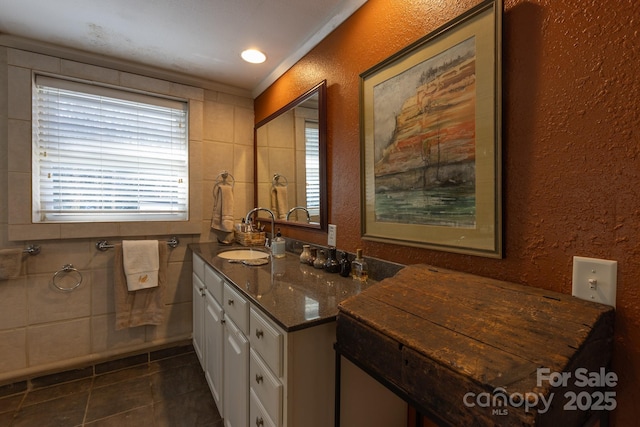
point(278, 246)
point(359, 267)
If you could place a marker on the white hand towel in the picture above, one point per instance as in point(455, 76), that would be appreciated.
point(141, 263)
point(280, 201)
point(222, 216)
point(10, 263)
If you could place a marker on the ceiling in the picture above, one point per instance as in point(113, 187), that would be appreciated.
point(198, 38)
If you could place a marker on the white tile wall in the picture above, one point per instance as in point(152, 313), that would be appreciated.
point(42, 328)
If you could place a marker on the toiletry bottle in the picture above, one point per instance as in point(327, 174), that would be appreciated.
point(305, 255)
point(313, 256)
point(332, 265)
point(320, 260)
point(345, 265)
point(278, 246)
point(359, 267)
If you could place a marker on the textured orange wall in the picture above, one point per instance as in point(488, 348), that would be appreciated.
point(571, 144)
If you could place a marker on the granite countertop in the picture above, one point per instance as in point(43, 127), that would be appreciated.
point(294, 295)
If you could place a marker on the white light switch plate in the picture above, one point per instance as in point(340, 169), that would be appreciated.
point(595, 280)
point(331, 238)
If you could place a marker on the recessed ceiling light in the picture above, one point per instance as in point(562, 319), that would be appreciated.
point(254, 56)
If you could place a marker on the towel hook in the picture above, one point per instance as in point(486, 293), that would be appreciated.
point(276, 180)
point(225, 175)
point(67, 269)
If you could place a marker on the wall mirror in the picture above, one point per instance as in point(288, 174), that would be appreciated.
point(291, 161)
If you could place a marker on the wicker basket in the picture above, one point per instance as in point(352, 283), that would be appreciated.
point(251, 238)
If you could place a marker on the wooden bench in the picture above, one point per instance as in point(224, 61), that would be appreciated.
point(468, 350)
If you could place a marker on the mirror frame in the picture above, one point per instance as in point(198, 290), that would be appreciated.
point(321, 90)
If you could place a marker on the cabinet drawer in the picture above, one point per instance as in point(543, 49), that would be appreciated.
point(266, 340)
point(266, 386)
point(214, 283)
point(198, 267)
point(236, 307)
point(257, 414)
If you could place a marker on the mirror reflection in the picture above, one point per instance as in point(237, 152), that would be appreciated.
point(290, 161)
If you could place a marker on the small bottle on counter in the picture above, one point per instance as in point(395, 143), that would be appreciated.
point(359, 267)
point(345, 265)
point(332, 265)
point(278, 246)
point(313, 256)
point(320, 260)
point(305, 255)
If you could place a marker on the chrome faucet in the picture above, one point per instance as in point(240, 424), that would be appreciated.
point(273, 221)
point(302, 208)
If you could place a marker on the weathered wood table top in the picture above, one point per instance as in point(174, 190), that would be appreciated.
point(469, 350)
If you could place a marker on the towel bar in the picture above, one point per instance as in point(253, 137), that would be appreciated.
point(103, 245)
point(32, 250)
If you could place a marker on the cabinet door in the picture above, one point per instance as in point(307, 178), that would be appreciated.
point(214, 344)
point(198, 318)
point(236, 376)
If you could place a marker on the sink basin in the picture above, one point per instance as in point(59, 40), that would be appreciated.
point(243, 254)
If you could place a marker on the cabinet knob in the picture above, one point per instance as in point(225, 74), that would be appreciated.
point(259, 378)
point(259, 422)
point(230, 302)
point(259, 333)
point(223, 321)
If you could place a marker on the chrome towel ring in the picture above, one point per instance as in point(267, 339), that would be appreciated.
point(67, 269)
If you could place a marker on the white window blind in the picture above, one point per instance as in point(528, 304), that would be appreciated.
point(312, 147)
point(104, 154)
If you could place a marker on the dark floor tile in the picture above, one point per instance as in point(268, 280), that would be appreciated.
point(170, 352)
point(10, 403)
point(135, 418)
point(66, 411)
point(174, 382)
point(13, 388)
point(191, 409)
point(62, 377)
point(127, 362)
point(121, 375)
point(6, 418)
point(174, 362)
point(120, 397)
point(57, 391)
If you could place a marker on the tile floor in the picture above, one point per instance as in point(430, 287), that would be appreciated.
point(160, 389)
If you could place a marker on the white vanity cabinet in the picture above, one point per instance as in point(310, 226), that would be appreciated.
point(236, 358)
point(214, 345)
point(292, 374)
point(260, 374)
point(198, 308)
point(214, 334)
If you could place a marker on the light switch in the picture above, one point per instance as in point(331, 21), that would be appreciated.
point(595, 280)
point(331, 238)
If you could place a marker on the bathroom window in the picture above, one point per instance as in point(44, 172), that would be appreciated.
point(312, 166)
point(105, 154)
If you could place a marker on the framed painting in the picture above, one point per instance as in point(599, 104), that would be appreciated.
point(430, 119)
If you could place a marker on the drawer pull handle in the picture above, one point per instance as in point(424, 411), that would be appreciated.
point(259, 422)
point(230, 301)
point(259, 333)
point(259, 378)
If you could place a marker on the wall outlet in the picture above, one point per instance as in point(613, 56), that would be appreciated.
point(331, 237)
point(595, 279)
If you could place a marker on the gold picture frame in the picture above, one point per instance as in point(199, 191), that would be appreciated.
point(430, 118)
